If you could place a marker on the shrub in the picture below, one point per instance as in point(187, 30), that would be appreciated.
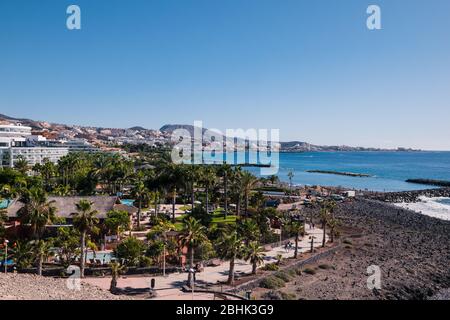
point(271, 267)
point(271, 282)
point(283, 276)
point(309, 271)
point(287, 295)
point(325, 266)
point(291, 272)
point(273, 295)
point(298, 271)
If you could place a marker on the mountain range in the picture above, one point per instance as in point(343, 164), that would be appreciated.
point(95, 134)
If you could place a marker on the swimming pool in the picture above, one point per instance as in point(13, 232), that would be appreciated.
point(104, 257)
point(127, 202)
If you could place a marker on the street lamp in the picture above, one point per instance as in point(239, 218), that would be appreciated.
point(6, 255)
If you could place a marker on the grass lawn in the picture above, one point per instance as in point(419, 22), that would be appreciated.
point(217, 217)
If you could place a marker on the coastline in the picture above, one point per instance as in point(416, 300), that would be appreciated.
point(409, 248)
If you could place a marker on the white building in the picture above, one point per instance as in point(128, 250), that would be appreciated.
point(16, 142)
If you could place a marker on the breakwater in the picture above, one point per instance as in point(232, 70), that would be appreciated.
point(339, 173)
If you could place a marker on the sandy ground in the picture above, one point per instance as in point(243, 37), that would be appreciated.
point(32, 287)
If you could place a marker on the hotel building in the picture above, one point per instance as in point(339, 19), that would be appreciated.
point(16, 142)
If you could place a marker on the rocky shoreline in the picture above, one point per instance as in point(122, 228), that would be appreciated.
point(411, 250)
point(407, 196)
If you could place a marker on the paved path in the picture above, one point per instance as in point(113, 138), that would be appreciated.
point(169, 287)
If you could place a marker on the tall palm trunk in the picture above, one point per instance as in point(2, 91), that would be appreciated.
point(225, 189)
point(39, 264)
point(296, 246)
point(164, 259)
point(174, 199)
point(192, 195)
point(254, 266)
point(207, 200)
point(246, 204)
point(82, 246)
point(231, 272)
point(139, 213)
point(156, 205)
point(113, 285)
point(191, 265)
point(238, 206)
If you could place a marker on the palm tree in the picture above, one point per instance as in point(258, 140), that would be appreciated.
point(171, 178)
point(324, 219)
point(154, 197)
point(84, 220)
point(249, 230)
point(22, 253)
point(255, 254)
point(297, 228)
point(290, 176)
point(208, 178)
point(225, 171)
point(248, 181)
point(193, 234)
point(41, 250)
point(192, 175)
point(141, 193)
point(236, 187)
point(21, 165)
point(116, 269)
point(37, 211)
point(161, 230)
point(230, 247)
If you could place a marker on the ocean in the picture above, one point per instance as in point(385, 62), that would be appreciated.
point(388, 170)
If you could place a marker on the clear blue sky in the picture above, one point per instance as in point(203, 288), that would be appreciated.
point(310, 68)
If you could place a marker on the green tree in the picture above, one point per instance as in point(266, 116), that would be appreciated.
point(21, 165)
point(130, 250)
point(116, 270)
point(117, 221)
point(37, 212)
point(298, 228)
point(22, 253)
point(248, 181)
point(68, 243)
point(230, 246)
point(41, 250)
point(84, 220)
point(255, 254)
point(226, 172)
point(192, 235)
point(141, 193)
point(161, 230)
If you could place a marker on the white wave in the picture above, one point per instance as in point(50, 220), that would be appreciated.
point(433, 207)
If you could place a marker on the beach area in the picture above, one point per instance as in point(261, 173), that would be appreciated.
point(436, 207)
point(411, 250)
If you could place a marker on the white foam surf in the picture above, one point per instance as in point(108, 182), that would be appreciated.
point(437, 207)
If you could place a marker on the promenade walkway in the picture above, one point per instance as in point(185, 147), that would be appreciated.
point(169, 287)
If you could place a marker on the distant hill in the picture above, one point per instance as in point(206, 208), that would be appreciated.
point(92, 133)
point(169, 128)
point(137, 128)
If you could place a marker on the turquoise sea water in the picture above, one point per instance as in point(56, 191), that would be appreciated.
point(389, 170)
